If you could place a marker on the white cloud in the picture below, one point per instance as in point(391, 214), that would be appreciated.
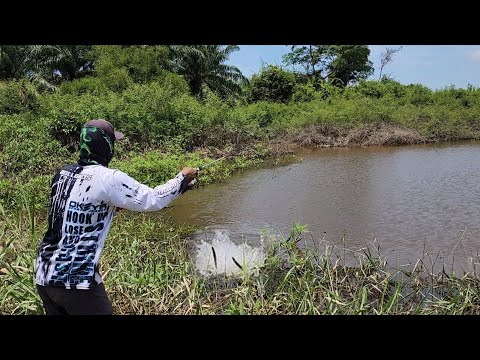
point(473, 55)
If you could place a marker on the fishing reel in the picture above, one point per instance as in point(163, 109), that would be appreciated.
point(185, 186)
point(188, 186)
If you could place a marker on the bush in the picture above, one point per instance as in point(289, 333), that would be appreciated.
point(140, 63)
point(18, 96)
point(376, 89)
point(154, 168)
point(30, 157)
point(418, 94)
point(173, 84)
point(36, 191)
point(15, 193)
point(200, 124)
point(67, 130)
point(463, 98)
point(271, 84)
point(145, 113)
point(65, 114)
point(90, 85)
point(8, 128)
point(117, 80)
point(26, 148)
point(303, 92)
point(7, 195)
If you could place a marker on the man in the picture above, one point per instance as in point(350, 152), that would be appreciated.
point(82, 204)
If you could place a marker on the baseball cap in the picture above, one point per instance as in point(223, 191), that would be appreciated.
point(107, 127)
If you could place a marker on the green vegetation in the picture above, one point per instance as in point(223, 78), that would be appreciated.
point(337, 64)
point(147, 270)
point(182, 105)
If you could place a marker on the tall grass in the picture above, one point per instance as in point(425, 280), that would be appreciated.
point(147, 269)
point(18, 243)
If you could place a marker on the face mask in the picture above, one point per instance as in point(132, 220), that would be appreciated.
point(96, 147)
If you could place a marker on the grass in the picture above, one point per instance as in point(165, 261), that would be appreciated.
point(147, 270)
point(17, 252)
point(146, 264)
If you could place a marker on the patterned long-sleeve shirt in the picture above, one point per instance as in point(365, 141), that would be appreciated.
point(82, 205)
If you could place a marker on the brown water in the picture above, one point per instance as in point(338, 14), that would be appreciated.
point(416, 202)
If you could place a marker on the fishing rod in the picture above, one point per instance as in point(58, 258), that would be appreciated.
point(202, 167)
point(188, 186)
point(237, 153)
point(210, 163)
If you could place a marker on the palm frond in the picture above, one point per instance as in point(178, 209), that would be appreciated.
point(205, 65)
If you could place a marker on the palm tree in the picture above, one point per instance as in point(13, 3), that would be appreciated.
point(66, 62)
point(204, 66)
point(45, 65)
point(15, 61)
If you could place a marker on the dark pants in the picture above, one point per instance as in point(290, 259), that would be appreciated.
point(61, 301)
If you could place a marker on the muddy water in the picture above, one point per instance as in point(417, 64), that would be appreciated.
point(415, 202)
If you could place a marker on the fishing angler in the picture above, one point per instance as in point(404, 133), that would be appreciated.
point(84, 197)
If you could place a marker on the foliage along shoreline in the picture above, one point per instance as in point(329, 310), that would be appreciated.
point(175, 113)
point(186, 103)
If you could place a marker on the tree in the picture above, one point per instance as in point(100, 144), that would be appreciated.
point(25, 61)
point(45, 64)
point(15, 61)
point(349, 64)
point(142, 63)
point(271, 84)
point(309, 57)
point(65, 62)
point(204, 66)
point(387, 57)
point(338, 64)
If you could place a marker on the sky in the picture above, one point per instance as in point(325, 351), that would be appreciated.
point(435, 66)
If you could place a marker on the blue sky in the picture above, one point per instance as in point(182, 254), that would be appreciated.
point(435, 66)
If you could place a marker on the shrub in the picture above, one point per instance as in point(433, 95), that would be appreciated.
point(17, 96)
point(271, 84)
point(90, 85)
point(303, 92)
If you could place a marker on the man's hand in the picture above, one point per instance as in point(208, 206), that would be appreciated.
point(190, 173)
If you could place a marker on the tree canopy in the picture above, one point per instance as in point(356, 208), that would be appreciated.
point(338, 64)
point(204, 66)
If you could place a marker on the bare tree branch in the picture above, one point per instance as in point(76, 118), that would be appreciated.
point(387, 57)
